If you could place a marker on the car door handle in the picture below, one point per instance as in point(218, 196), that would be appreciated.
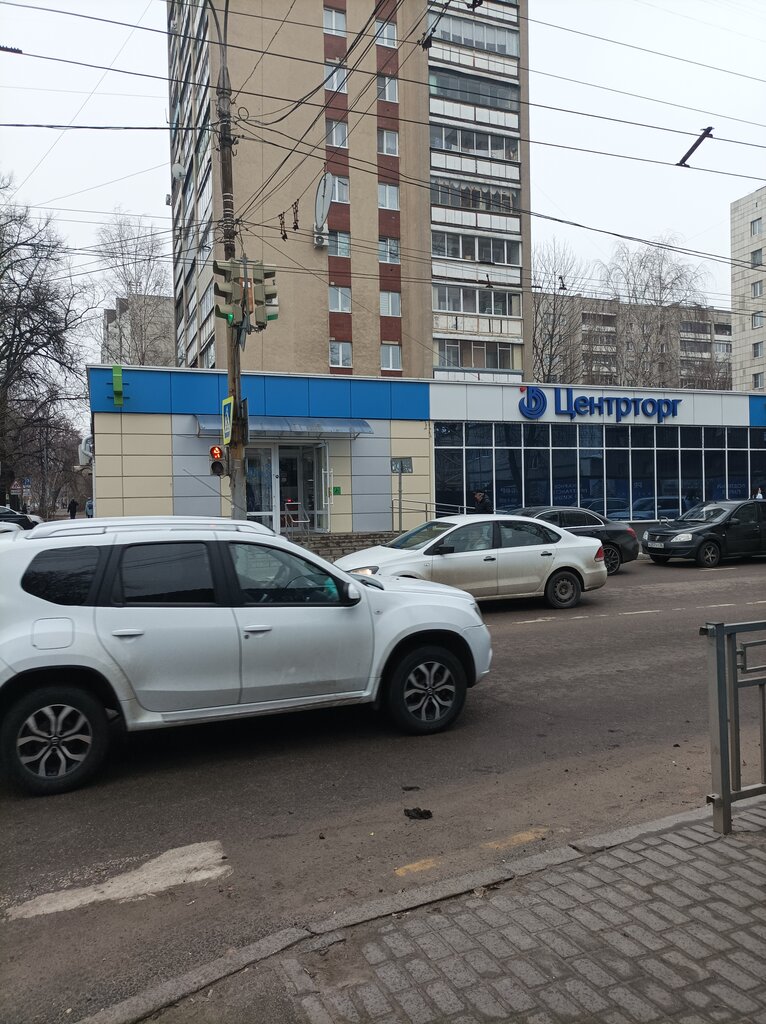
point(257, 629)
point(489, 558)
point(127, 632)
point(546, 554)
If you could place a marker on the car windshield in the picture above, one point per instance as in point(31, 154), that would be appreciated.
point(703, 514)
point(421, 535)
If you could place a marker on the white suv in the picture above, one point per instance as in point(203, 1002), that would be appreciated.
point(163, 621)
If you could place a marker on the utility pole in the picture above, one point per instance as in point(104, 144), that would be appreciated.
point(237, 446)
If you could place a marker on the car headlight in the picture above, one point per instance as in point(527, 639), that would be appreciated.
point(366, 570)
point(645, 537)
point(681, 538)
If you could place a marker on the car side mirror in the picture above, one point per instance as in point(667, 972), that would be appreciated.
point(734, 522)
point(444, 549)
point(350, 593)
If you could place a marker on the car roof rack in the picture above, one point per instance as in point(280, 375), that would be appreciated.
point(126, 524)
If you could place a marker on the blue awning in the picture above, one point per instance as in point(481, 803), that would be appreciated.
point(295, 427)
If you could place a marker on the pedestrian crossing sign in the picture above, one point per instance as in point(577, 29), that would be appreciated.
point(227, 415)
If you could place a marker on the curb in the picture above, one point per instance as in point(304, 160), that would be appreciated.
point(138, 1008)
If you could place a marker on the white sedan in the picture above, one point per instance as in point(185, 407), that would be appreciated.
point(491, 556)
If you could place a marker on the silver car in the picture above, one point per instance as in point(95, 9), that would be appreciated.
point(491, 556)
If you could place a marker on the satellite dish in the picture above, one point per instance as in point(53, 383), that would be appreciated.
point(323, 200)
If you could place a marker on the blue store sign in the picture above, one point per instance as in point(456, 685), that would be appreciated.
point(534, 403)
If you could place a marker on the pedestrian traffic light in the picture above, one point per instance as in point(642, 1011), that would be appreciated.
point(229, 289)
point(265, 299)
point(217, 466)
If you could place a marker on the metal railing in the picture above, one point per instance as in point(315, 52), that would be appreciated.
point(426, 509)
point(731, 671)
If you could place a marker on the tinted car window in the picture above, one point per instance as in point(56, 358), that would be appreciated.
point(576, 519)
point(519, 535)
point(176, 573)
point(746, 513)
point(271, 576)
point(64, 576)
point(551, 517)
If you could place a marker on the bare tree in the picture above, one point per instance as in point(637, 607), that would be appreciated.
point(558, 278)
point(42, 311)
point(650, 285)
point(140, 328)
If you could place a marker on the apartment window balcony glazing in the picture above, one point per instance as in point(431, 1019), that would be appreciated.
point(388, 89)
point(339, 243)
point(340, 354)
point(468, 195)
point(388, 250)
point(473, 143)
point(475, 34)
point(388, 142)
point(484, 301)
point(756, 258)
point(339, 299)
point(757, 320)
point(334, 22)
point(758, 350)
point(390, 304)
point(480, 92)
point(756, 289)
point(390, 357)
point(340, 189)
point(756, 226)
point(385, 33)
point(335, 78)
point(388, 196)
point(336, 135)
point(757, 381)
point(476, 248)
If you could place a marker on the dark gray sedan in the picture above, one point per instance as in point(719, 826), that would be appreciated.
point(618, 539)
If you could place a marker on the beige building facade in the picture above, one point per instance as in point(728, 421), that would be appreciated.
point(419, 115)
point(748, 290)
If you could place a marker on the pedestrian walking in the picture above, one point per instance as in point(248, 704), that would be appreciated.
point(758, 494)
point(481, 502)
point(72, 508)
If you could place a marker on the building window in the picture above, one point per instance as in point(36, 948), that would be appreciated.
point(484, 301)
point(339, 243)
point(481, 92)
point(334, 22)
point(340, 353)
point(479, 144)
point(756, 289)
point(388, 142)
point(480, 249)
point(339, 189)
point(388, 196)
point(390, 304)
point(385, 33)
point(388, 250)
point(475, 34)
point(335, 78)
point(207, 356)
point(388, 89)
point(479, 355)
point(390, 357)
point(756, 226)
point(756, 258)
point(758, 350)
point(757, 320)
point(336, 134)
point(722, 347)
point(473, 195)
point(757, 381)
point(340, 299)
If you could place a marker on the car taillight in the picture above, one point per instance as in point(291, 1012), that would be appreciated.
point(631, 531)
point(600, 555)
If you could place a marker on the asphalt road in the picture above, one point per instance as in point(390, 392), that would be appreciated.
point(591, 719)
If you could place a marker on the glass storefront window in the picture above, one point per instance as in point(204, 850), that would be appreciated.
point(691, 437)
point(691, 478)
point(715, 437)
point(758, 469)
point(617, 437)
point(667, 437)
point(508, 435)
point(591, 435)
point(448, 476)
point(642, 437)
point(536, 435)
point(478, 474)
point(715, 474)
point(448, 435)
point(617, 477)
point(478, 435)
point(757, 437)
point(738, 484)
point(737, 437)
point(508, 478)
point(564, 435)
point(592, 478)
point(668, 484)
point(642, 466)
point(564, 476)
point(537, 476)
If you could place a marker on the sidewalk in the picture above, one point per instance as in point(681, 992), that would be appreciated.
point(665, 922)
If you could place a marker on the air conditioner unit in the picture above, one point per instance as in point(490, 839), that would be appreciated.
point(320, 238)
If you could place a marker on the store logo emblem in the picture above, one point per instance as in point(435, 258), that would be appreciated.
point(534, 403)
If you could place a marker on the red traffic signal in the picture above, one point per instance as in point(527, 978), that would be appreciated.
point(217, 467)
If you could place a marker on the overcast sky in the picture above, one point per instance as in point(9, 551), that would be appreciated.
point(715, 77)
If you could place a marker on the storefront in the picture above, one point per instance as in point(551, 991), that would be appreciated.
point(329, 447)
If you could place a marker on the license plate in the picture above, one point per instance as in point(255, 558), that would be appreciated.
point(655, 544)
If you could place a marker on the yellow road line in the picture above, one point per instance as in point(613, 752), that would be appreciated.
point(418, 865)
point(519, 839)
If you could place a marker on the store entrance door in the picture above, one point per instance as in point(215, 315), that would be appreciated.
point(285, 488)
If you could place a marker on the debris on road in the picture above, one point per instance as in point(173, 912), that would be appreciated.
point(418, 813)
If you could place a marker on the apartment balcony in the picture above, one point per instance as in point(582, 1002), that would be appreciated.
point(476, 220)
point(468, 59)
point(500, 275)
point(474, 115)
point(478, 327)
point(477, 374)
point(454, 162)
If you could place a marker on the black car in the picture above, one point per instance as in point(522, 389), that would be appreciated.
point(8, 515)
point(709, 532)
point(618, 539)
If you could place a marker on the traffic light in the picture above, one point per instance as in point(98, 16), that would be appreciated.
point(217, 460)
point(229, 289)
point(265, 299)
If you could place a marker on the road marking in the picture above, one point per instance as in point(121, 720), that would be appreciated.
point(181, 866)
point(519, 839)
point(731, 604)
point(545, 618)
point(418, 865)
point(647, 611)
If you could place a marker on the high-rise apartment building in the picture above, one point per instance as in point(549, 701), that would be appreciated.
point(417, 111)
point(748, 291)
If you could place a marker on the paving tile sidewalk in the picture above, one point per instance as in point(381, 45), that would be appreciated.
point(670, 926)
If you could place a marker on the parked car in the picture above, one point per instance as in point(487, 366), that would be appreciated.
point(164, 621)
point(643, 510)
point(7, 529)
point(709, 532)
point(620, 542)
point(491, 556)
point(22, 519)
